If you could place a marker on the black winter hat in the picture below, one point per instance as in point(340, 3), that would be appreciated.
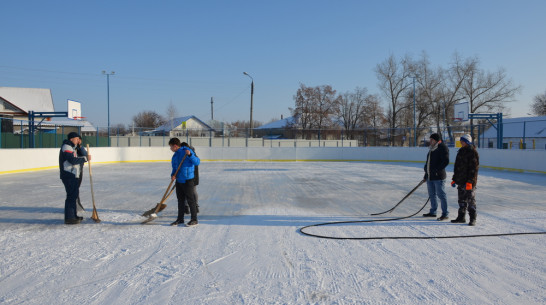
point(73, 135)
point(435, 137)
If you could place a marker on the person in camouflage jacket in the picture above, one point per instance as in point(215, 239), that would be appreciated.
point(465, 177)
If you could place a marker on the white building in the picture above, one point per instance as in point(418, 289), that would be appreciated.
point(15, 103)
point(529, 131)
point(182, 126)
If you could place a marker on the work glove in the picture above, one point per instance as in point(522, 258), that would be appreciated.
point(468, 186)
point(453, 184)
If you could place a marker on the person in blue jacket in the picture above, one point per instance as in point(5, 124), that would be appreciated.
point(185, 187)
point(70, 172)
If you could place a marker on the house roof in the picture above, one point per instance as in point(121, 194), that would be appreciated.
point(513, 128)
point(86, 126)
point(178, 121)
point(278, 124)
point(28, 99)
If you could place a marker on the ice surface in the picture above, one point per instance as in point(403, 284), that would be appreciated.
point(247, 248)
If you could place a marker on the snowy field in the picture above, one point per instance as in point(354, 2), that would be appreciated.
point(247, 248)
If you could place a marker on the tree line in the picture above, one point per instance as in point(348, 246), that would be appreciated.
point(411, 87)
point(412, 92)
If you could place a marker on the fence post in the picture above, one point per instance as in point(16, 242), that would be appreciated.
point(524, 124)
point(21, 129)
point(62, 131)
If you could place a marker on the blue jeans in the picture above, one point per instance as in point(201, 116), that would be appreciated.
point(436, 188)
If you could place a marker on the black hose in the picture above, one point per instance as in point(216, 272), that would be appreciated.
point(301, 230)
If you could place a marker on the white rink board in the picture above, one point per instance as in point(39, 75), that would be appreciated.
point(14, 160)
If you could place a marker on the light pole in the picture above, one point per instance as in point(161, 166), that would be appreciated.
point(414, 121)
point(108, 99)
point(251, 100)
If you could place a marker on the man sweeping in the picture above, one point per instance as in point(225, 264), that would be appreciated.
point(185, 187)
point(70, 170)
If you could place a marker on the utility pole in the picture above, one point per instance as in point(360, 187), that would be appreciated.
point(212, 108)
point(251, 100)
point(108, 99)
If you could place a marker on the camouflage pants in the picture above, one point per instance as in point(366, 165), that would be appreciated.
point(467, 198)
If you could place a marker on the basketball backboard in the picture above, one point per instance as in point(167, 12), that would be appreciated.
point(74, 110)
point(460, 112)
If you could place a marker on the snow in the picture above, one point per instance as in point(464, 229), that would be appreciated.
point(247, 248)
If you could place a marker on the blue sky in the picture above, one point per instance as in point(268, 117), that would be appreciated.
point(186, 52)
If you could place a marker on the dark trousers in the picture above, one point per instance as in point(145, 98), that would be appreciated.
point(72, 187)
point(467, 199)
point(186, 191)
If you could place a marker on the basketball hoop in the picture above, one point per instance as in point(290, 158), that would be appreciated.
point(79, 118)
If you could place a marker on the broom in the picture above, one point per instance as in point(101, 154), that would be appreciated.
point(95, 215)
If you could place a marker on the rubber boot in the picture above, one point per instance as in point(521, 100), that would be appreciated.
point(472, 215)
point(461, 218)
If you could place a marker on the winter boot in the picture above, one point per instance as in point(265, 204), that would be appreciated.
point(472, 215)
point(461, 218)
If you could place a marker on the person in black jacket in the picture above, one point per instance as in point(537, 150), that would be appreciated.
point(70, 172)
point(465, 177)
point(435, 175)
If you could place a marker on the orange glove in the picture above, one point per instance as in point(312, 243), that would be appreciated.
point(453, 184)
point(468, 186)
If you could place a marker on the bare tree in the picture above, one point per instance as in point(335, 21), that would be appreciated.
point(539, 105)
point(246, 124)
point(431, 83)
point(324, 106)
point(452, 91)
point(172, 113)
point(394, 79)
point(303, 110)
point(373, 114)
point(350, 109)
point(149, 119)
point(119, 129)
point(488, 91)
point(314, 107)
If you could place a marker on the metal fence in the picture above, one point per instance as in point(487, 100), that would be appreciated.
point(14, 134)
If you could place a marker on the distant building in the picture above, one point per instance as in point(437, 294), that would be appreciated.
point(183, 126)
point(15, 103)
point(527, 130)
point(275, 130)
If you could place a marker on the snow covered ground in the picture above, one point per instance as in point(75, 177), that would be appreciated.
point(247, 248)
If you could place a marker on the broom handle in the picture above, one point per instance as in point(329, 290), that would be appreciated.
point(91, 179)
point(165, 196)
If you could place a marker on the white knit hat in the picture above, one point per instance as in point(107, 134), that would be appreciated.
point(467, 139)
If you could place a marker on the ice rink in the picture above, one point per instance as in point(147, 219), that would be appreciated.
point(247, 248)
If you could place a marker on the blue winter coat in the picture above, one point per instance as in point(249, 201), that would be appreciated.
point(187, 169)
point(69, 162)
